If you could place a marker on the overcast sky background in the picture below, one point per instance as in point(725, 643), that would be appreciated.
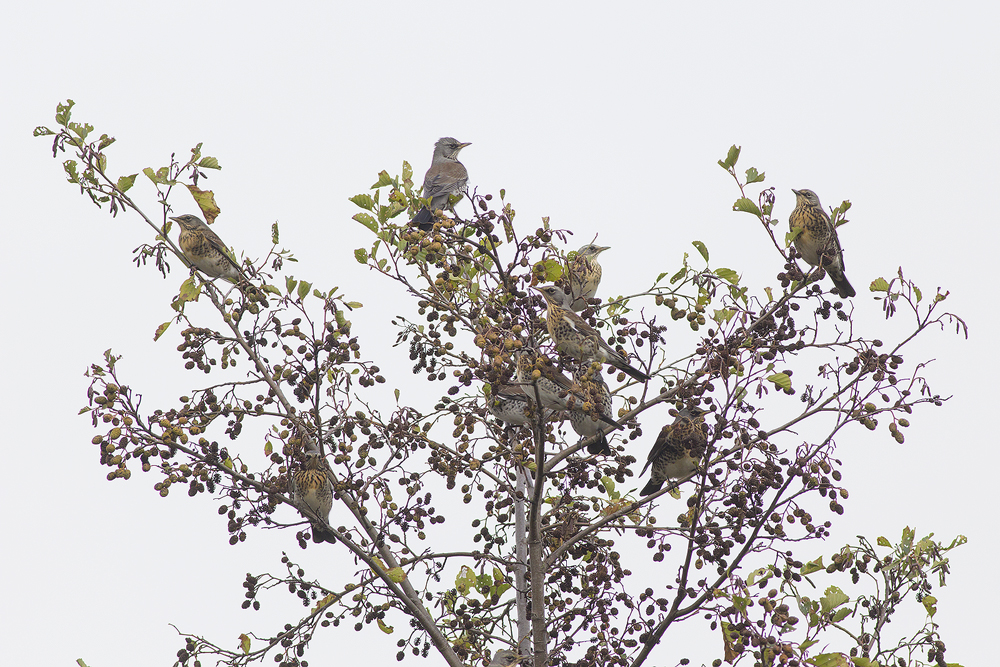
point(608, 119)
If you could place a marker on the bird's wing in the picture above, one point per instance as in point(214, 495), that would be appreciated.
point(216, 242)
point(444, 178)
point(658, 447)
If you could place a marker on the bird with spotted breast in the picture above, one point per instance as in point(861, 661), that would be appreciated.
point(556, 391)
point(314, 489)
point(584, 274)
point(578, 339)
point(203, 248)
point(445, 177)
point(818, 242)
point(678, 449)
point(592, 384)
point(511, 405)
point(505, 658)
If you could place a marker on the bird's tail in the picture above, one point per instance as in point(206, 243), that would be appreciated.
point(423, 220)
point(844, 288)
point(633, 373)
point(321, 534)
point(652, 486)
point(601, 446)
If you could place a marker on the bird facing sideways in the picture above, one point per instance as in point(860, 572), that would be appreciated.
point(818, 242)
point(578, 339)
point(314, 489)
point(505, 658)
point(511, 405)
point(592, 384)
point(556, 391)
point(445, 177)
point(203, 248)
point(678, 449)
point(584, 272)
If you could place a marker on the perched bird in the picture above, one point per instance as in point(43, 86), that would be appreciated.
point(593, 385)
point(584, 274)
point(445, 177)
point(505, 658)
point(577, 338)
point(818, 242)
point(511, 406)
point(678, 449)
point(314, 489)
point(556, 391)
point(203, 248)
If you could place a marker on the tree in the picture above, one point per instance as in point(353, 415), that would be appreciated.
point(548, 558)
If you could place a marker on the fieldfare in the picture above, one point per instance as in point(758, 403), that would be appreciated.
point(584, 274)
point(505, 658)
point(509, 404)
point(593, 385)
point(577, 338)
point(818, 242)
point(446, 176)
point(678, 449)
point(314, 489)
point(556, 391)
point(203, 248)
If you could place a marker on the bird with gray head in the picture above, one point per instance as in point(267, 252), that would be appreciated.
point(578, 339)
point(818, 242)
point(584, 273)
point(511, 406)
point(678, 449)
point(556, 391)
point(505, 658)
point(445, 177)
point(204, 250)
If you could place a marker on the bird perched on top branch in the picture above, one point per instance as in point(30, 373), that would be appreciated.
point(445, 177)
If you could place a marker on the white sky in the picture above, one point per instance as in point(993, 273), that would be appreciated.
point(606, 117)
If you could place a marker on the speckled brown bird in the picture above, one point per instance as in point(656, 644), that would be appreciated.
point(584, 273)
point(505, 658)
point(557, 392)
point(509, 404)
point(818, 241)
point(314, 489)
point(589, 380)
point(678, 449)
point(203, 248)
point(578, 339)
point(445, 177)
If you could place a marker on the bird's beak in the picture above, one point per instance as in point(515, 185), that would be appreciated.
point(467, 143)
point(175, 219)
point(797, 192)
point(602, 248)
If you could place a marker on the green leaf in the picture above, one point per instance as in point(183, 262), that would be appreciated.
point(126, 182)
point(150, 174)
point(753, 176)
point(609, 484)
point(361, 255)
point(104, 142)
point(465, 580)
point(781, 380)
point(930, 604)
point(209, 163)
point(701, 248)
point(917, 291)
point(841, 615)
point(383, 180)
point(41, 131)
point(387, 629)
point(354, 304)
point(70, 167)
point(549, 270)
point(396, 574)
point(830, 660)
point(879, 285)
point(160, 329)
point(813, 566)
point(303, 290)
point(678, 276)
point(832, 598)
point(290, 283)
point(731, 158)
point(882, 542)
point(63, 112)
point(364, 201)
point(366, 220)
point(747, 206)
point(792, 235)
point(189, 292)
point(728, 275)
point(206, 202)
point(407, 171)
